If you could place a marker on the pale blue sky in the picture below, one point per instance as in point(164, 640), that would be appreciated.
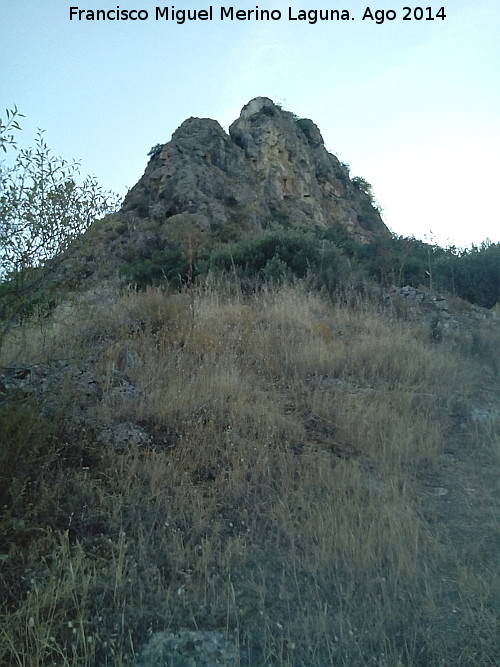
point(412, 106)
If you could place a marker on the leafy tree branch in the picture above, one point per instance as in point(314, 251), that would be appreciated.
point(44, 206)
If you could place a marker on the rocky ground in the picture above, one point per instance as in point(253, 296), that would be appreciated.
point(456, 494)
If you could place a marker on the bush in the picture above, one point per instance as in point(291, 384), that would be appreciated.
point(476, 274)
point(363, 186)
point(155, 150)
point(310, 130)
point(277, 254)
point(472, 274)
point(43, 209)
point(170, 264)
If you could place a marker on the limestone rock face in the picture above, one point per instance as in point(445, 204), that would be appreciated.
point(272, 166)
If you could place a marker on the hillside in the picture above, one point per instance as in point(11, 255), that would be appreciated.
point(243, 424)
point(209, 478)
point(208, 189)
point(264, 201)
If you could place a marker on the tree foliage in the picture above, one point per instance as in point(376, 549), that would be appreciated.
point(470, 273)
point(43, 208)
point(328, 258)
point(155, 150)
point(7, 137)
point(272, 256)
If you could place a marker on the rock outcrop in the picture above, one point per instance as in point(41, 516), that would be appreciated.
point(271, 167)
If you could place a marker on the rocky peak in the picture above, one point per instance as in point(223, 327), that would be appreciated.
point(270, 168)
point(255, 106)
point(263, 114)
point(271, 162)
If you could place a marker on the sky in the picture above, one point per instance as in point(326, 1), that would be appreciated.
point(413, 106)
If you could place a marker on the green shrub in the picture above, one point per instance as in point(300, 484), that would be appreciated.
point(155, 150)
point(170, 264)
point(476, 274)
point(268, 110)
point(277, 253)
point(44, 208)
point(472, 274)
point(362, 185)
point(310, 130)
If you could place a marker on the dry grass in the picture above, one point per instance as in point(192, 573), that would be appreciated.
point(279, 499)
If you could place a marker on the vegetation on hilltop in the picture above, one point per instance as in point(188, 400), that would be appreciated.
point(43, 211)
point(330, 257)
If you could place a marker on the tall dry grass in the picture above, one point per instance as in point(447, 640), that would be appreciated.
point(278, 500)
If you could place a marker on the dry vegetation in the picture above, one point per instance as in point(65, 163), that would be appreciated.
point(284, 497)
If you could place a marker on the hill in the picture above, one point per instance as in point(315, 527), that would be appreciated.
point(207, 190)
point(223, 442)
point(265, 200)
point(211, 478)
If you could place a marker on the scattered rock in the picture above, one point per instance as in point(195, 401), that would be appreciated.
point(123, 435)
point(485, 413)
point(126, 392)
point(440, 303)
point(452, 321)
point(188, 648)
point(44, 379)
point(438, 491)
point(418, 296)
point(448, 457)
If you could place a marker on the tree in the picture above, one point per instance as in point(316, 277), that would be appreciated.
point(7, 137)
point(155, 150)
point(43, 208)
point(363, 185)
point(477, 274)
